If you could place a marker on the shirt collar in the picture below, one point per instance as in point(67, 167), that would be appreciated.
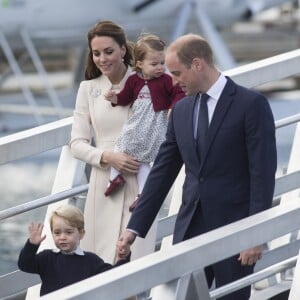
point(77, 251)
point(216, 89)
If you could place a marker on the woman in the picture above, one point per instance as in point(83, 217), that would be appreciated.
point(108, 67)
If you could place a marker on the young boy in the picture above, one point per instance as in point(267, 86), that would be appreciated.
point(67, 264)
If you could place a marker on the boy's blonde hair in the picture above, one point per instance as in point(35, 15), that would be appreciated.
point(146, 42)
point(71, 214)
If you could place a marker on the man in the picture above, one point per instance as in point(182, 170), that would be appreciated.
point(229, 176)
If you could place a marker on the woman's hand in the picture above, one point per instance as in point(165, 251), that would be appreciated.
point(122, 162)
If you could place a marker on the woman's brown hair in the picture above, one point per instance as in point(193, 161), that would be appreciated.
point(116, 32)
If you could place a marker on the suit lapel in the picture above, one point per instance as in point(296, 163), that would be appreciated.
point(221, 109)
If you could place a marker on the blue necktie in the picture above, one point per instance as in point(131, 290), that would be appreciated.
point(202, 124)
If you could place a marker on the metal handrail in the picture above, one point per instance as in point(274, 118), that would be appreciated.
point(253, 278)
point(16, 210)
point(284, 184)
point(287, 121)
point(83, 188)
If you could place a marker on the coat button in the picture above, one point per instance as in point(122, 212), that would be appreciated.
point(201, 179)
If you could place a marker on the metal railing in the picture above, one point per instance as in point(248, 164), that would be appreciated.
point(165, 228)
point(185, 259)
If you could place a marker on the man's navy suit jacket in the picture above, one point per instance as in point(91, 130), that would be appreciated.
point(236, 175)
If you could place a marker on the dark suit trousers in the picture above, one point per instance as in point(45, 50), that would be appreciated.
point(224, 271)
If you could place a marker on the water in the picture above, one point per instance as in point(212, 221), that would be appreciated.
point(21, 182)
point(32, 178)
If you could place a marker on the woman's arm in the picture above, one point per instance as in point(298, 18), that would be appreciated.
point(80, 145)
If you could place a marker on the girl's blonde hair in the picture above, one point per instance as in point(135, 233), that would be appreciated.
point(142, 46)
point(71, 214)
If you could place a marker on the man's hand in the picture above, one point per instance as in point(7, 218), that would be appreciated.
point(250, 256)
point(125, 241)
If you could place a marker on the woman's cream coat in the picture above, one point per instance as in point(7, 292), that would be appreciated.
point(105, 217)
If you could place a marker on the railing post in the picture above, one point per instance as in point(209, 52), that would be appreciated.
point(69, 173)
point(191, 286)
point(162, 291)
point(295, 289)
point(293, 166)
point(198, 288)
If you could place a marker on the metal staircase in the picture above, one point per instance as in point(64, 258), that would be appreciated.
point(176, 272)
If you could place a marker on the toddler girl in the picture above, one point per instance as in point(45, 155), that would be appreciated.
point(151, 93)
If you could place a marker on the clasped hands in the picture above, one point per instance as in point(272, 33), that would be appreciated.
point(123, 245)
